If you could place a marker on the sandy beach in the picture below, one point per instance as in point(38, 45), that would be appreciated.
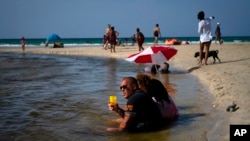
point(227, 81)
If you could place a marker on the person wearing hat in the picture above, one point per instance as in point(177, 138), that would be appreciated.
point(218, 34)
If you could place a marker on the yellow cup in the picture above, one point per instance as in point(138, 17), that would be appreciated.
point(112, 100)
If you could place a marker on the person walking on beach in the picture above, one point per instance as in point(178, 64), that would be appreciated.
point(218, 34)
point(157, 34)
point(204, 29)
point(140, 39)
point(23, 43)
point(108, 30)
point(112, 38)
point(140, 113)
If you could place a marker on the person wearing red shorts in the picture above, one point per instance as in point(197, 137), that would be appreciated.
point(140, 39)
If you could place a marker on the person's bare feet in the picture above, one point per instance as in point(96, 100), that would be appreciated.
point(199, 63)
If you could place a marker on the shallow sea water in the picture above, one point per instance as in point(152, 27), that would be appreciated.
point(45, 97)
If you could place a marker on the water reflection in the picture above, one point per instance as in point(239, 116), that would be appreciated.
point(111, 73)
point(46, 97)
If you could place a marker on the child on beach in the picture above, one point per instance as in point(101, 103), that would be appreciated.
point(23, 43)
point(218, 34)
point(105, 41)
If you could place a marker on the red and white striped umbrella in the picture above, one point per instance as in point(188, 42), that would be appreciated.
point(155, 54)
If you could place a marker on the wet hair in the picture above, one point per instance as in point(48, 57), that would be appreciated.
point(157, 25)
point(112, 28)
point(138, 29)
point(156, 89)
point(201, 15)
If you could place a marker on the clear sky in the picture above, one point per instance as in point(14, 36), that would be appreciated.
point(89, 18)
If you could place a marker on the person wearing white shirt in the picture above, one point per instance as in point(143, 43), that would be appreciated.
point(204, 29)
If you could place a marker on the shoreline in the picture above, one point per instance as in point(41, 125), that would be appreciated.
point(226, 81)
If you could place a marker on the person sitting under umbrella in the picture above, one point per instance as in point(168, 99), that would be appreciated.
point(163, 68)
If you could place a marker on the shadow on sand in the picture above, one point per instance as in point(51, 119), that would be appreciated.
point(230, 61)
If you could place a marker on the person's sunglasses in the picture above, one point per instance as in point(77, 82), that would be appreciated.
point(123, 87)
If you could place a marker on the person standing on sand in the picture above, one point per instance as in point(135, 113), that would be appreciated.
point(218, 34)
point(140, 39)
point(23, 43)
point(204, 29)
point(112, 38)
point(157, 34)
point(108, 30)
point(105, 41)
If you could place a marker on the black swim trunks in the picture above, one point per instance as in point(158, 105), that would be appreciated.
point(156, 34)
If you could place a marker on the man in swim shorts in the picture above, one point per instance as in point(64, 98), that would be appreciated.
point(157, 33)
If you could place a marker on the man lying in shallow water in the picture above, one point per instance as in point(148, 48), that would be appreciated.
point(140, 112)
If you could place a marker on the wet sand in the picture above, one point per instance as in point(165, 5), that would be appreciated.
point(227, 81)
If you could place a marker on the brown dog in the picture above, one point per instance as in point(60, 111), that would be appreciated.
point(213, 53)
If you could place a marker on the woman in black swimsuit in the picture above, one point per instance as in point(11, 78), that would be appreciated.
point(157, 33)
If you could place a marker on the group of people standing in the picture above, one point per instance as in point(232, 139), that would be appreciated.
point(111, 37)
point(149, 106)
point(140, 37)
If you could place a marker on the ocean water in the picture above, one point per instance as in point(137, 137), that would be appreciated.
point(99, 41)
point(52, 97)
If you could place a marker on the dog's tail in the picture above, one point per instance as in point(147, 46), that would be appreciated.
point(217, 51)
